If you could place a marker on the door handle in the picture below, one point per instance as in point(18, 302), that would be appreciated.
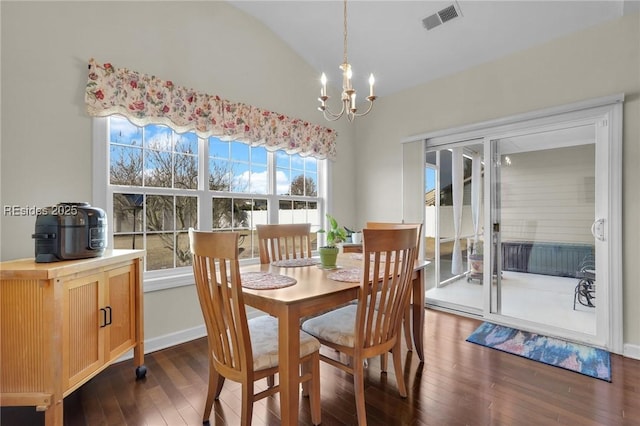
point(597, 229)
point(108, 308)
point(104, 317)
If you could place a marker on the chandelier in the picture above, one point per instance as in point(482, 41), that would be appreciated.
point(348, 92)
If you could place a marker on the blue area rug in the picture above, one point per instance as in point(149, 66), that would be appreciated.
point(582, 359)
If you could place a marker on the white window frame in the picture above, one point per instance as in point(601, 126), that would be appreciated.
point(183, 276)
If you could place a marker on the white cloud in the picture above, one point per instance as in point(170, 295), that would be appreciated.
point(260, 182)
point(123, 127)
point(282, 183)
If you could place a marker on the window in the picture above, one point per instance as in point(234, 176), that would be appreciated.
point(156, 184)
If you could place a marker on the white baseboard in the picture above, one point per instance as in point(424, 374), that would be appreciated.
point(173, 339)
point(631, 351)
point(168, 340)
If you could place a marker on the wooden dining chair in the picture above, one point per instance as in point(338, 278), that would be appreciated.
point(396, 225)
point(407, 317)
point(284, 241)
point(281, 242)
point(239, 349)
point(363, 331)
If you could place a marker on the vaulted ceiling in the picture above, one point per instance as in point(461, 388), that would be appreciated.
point(389, 39)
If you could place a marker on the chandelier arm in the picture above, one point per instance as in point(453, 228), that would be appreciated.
point(370, 99)
point(332, 116)
point(348, 92)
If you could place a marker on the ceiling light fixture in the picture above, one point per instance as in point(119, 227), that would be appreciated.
point(348, 92)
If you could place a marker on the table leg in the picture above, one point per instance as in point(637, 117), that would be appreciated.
point(289, 360)
point(417, 311)
point(54, 415)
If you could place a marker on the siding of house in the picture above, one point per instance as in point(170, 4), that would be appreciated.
point(549, 196)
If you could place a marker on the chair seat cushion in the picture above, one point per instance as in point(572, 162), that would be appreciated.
point(337, 326)
point(264, 342)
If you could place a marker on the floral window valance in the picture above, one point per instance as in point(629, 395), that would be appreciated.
point(145, 99)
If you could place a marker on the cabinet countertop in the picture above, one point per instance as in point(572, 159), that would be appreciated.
point(29, 269)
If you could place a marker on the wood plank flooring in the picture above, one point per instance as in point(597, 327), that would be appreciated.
point(459, 384)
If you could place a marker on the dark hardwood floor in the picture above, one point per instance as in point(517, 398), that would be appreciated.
point(459, 384)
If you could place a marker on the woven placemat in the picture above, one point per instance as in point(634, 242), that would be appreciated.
point(292, 263)
point(265, 280)
point(351, 275)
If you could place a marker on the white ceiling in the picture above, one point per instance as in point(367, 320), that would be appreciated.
point(387, 38)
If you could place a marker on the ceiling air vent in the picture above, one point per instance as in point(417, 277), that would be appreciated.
point(442, 16)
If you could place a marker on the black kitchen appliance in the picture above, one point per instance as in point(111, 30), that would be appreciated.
point(70, 231)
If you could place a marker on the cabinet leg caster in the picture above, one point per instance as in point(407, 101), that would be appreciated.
point(141, 372)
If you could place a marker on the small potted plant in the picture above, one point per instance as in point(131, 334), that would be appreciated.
point(334, 234)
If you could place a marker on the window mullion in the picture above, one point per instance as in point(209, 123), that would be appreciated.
point(102, 195)
point(205, 221)
point(272, 200)
point(175, 224)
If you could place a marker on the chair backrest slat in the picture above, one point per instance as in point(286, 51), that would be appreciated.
point(388, 262)
point(394, 225)
point(284, 241)
point(217, 274)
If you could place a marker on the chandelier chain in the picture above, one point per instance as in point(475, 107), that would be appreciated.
point(344, 61)
point(348, 95)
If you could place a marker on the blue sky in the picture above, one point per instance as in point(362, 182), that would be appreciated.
point(430, 179)
point(254, 179)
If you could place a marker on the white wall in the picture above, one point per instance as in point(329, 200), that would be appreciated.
point(46, 133)
point(600, 61)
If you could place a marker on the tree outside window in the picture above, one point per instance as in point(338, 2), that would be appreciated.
point(154, 178)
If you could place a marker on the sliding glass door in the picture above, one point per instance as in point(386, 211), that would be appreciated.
point(454, 223)
point(522, 222)
point(543, 209)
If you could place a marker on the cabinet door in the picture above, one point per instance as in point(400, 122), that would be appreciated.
point(121, 309)
point(83, 328)
point(27, 336)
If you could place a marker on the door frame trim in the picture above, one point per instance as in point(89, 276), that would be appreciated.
point(478, 130)
point(609, 108)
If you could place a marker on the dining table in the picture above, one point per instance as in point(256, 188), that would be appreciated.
point(309, 289)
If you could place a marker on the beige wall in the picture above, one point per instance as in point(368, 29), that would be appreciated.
point(46, 133)
point(600, 61)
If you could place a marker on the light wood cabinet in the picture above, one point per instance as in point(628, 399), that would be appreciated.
point(62, 323)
